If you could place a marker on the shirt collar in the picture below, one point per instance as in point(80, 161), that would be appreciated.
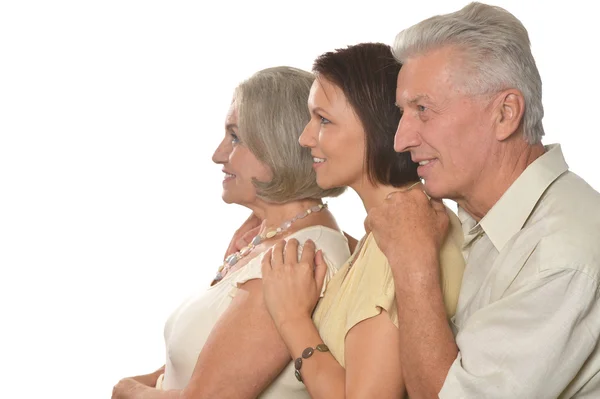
point(509, 214)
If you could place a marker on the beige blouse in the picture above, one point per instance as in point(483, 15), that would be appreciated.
point(189, 326)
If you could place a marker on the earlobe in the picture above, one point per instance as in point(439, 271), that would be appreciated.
point(511, 110)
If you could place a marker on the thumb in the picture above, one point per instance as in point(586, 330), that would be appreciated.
point(320, 270)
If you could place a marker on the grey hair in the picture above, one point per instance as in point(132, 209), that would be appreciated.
point(497, 54)
point(272, 113)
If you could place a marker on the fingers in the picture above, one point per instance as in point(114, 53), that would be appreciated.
point(277, 254)
point(308, 252)
point(266, 264)
point(248, 236)
point(438, 205)
point(291, 252)
point(320, 270)
point(252, 222)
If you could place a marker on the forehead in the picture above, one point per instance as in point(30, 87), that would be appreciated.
point(324, 92)
point(232, 113)
point(429, 75)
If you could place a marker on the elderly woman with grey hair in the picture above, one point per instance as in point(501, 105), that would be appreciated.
point(221, 342)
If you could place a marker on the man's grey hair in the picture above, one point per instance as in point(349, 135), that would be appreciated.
point(496, 50)
point(272, 113)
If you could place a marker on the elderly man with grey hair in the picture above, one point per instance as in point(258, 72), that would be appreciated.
point(528, 317)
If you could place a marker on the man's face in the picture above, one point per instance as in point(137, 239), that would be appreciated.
point(449, 133)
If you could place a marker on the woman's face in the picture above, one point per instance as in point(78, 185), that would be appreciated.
point(239, 164)
point(335, 136)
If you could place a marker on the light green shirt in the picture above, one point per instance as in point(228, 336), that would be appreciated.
point(528, 318)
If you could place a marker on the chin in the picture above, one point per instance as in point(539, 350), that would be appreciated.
point(327, 184)
point(228, 198)
point(436, 191)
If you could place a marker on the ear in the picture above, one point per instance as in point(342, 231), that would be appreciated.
point(510, 110)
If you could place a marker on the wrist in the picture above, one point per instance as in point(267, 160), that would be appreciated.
point(298, 334)
point(417, 271)
point(292, 323)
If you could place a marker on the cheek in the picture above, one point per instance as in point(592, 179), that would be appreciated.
point(253, 168)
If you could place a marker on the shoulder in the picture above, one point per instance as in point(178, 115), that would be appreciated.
point(333, 243)
point(372, 269)
point(566, 221)
point(371, 283)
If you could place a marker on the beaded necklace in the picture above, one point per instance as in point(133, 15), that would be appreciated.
point(232, 259)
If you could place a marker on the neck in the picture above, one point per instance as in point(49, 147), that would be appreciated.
point(373, 195)
point(508, 164)
point(273, 215)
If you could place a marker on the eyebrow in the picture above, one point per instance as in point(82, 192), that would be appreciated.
point(417, 98)
point(230, 126)
point(317, 110)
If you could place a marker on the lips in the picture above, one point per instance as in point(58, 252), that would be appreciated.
point(228, 176)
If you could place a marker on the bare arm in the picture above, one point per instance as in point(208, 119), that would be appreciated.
point(128, 388)
point(292, 289)
point(372, 364)
point(410, 229)
point(149, 379)
point(424, 326)
point(244, 352)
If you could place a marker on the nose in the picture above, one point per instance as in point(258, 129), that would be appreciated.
point(407, 135)
point(221, 154)
point(308, 137)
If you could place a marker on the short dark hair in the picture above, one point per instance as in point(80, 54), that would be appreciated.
point(367, 74)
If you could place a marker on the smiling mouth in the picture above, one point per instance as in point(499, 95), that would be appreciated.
point(422, 163)
point(228, 176)
point(318, 160)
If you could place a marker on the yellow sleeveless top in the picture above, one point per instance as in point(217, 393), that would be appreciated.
point(362, 291)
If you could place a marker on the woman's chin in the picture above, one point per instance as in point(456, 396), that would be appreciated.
point(325, 184)
point(227, 198)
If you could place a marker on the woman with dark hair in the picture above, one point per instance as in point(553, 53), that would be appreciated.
point(350, 346)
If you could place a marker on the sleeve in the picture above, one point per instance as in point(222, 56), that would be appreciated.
point(531, 343)
point(372, 287)
point(330, 246)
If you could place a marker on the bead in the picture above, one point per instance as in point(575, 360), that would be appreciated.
point(316, 208)
point(246, 250)
point(256, 240)
point(232, 260)
point(308, 211)
point(218, 277)
point(286, 225)
point(298, 363)
point(279, 229)
point(302, 216)
point(271, 234)
point(298, 376)
point(322, 348)
point(306, 353)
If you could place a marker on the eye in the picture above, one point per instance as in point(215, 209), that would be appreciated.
point(421, 108)
point(324, 121)
point(234, 138)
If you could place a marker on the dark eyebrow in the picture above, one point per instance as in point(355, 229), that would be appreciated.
point(317, 110)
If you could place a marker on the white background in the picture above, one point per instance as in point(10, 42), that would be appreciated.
point(110, 208)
